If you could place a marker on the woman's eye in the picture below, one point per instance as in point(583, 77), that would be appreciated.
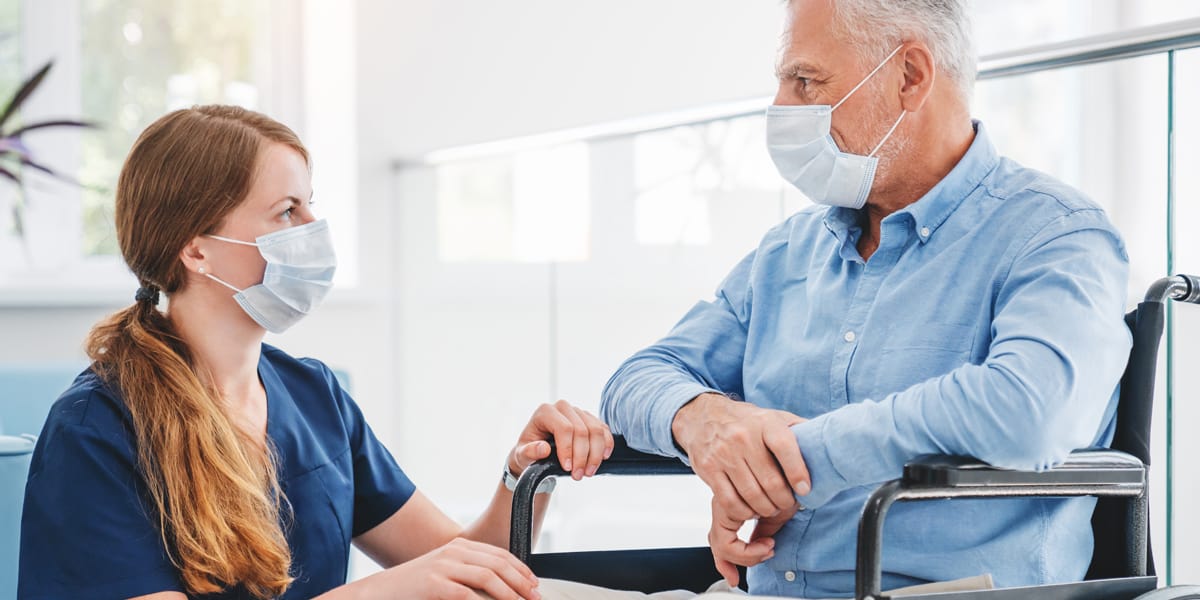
point(287, 214)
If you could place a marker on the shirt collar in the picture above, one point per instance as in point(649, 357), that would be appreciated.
point(931, 210)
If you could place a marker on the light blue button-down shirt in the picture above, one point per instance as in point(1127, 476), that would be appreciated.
point(988, 323)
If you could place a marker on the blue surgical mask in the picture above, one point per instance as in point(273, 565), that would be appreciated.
point(300, 266)
point(800, 145)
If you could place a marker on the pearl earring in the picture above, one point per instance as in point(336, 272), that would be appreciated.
point(200, 270)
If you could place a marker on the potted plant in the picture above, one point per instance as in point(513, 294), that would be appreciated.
point(15, 155)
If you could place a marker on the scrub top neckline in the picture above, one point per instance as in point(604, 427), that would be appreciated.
point(272, 439)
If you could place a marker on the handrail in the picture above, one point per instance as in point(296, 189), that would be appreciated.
point(1176, 35)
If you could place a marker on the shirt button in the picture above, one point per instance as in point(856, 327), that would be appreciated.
point(924, 232)
point(849, 337)
point(790, 575)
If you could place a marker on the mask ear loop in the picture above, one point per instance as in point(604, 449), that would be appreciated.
point(222, 282)
point(867, 78)
point(230, 240)
point(889, 134)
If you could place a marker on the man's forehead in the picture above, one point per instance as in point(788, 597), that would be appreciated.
point(808, 40)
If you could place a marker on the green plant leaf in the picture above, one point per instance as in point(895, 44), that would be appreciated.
point(27, 88)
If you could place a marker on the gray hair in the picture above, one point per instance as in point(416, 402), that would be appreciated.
point(876, 27)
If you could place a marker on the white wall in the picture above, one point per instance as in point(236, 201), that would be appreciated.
point(475, 349)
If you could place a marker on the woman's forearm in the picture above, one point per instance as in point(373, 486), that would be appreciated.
point(493, 526)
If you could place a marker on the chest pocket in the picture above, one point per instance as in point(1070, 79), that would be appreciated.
point(322, 503)
point(914, 352)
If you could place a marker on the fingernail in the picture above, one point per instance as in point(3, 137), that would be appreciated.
point(591, 470)
point(567, 464)
point(607, 453)
point(577, 474)
point(770, 555)
point(535, 594)
point(802, 488)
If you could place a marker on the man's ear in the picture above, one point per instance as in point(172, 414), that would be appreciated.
point(920, 71)
point(193, 258)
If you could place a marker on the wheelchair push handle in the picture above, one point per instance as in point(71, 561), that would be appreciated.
point(1181, 287)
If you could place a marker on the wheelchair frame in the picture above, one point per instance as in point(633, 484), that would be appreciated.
point(1106, 473)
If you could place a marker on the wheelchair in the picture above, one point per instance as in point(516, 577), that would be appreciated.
point(1122, 566)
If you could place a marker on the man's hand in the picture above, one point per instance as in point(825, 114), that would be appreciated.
point(746, 455)
point(729, 550)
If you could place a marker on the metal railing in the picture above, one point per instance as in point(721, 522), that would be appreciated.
point(1177, 35)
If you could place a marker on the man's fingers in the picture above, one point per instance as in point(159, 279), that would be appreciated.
point(782, 444)
point(728, 571)
point(788, 419)
point(746, 554)
point(726, 545)
point(731, 502)
point(745, 480)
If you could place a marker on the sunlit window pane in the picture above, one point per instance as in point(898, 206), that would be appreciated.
point(143, 58)
point(681, 172)
point(530, 206)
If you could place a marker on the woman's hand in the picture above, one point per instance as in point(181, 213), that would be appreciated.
point(460, 567)
point(583, 441)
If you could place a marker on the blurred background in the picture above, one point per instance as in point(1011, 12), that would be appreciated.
point(525, 193)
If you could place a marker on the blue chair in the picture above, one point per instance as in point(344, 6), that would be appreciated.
point(28, 390)
point(26, 394)
point(15, 453)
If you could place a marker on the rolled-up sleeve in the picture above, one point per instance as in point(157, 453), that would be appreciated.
point(704, 352)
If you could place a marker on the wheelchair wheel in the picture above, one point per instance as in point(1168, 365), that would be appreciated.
point(1175, 592)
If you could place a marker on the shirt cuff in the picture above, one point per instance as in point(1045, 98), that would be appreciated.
point(663, 412)
point(826, 480)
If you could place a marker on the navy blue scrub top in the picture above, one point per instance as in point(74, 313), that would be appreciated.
point(87, 530)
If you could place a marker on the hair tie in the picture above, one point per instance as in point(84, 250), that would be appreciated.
point(147, 293)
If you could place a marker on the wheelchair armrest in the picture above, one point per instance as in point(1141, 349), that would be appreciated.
point(623, 461)
point(1094, 466)
point(627, 461)
point(1090, 472)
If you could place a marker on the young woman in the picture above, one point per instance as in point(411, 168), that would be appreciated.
point(193, 461)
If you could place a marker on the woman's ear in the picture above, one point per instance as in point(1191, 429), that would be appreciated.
point(919, 75)
point(193, 258)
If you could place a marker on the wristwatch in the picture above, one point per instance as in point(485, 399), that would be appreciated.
point(545, 487)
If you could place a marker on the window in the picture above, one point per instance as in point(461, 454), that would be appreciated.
point(531, 206)
point(124, 63)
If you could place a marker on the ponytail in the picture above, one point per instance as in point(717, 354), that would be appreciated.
point(214, 490)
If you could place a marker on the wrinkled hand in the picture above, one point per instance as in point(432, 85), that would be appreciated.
point(462, 566)
point(746, 454)
point(729, 550)
point(583, 440)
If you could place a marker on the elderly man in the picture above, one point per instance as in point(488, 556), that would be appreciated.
point(938, 299)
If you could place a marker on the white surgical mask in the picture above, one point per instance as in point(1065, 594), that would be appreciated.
point(800, 145)
point(300, 266)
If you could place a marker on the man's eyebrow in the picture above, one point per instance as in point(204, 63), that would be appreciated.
point(794, 68)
